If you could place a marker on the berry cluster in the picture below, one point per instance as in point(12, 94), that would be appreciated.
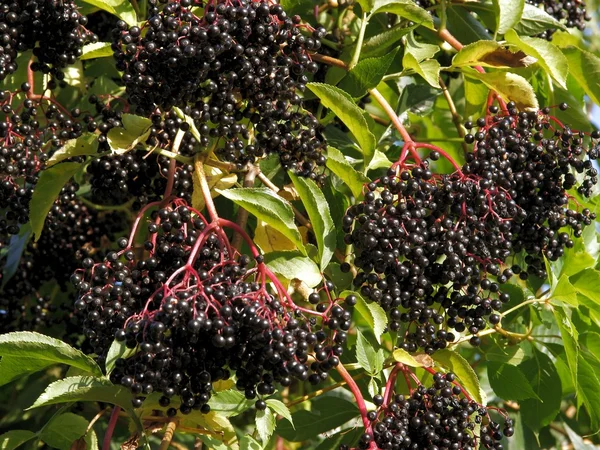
point(53, 29)
point(195, 310)
point(440, 417)
point(237, 71)
point(432, 250)
point(572, 13)
point(29, 131)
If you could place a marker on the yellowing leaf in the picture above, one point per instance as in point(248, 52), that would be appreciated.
point(269, 239)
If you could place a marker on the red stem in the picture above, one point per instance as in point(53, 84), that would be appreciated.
point(114, 416)
point(391, 383)
point(441, 152)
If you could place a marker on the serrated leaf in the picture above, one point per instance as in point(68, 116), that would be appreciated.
point(548, 56)
point(344, 107)
point(534, 20)
point(371, 312)
point(508, 14)
point(367, 356)
point(367, 74)
point(508, 382)
point(28, 346)
point(268, 239)
point(318, 212)
point(86, 144)
point(420, 50)
point(294, 265)
point(14, 367)
point(15, 438)
point(247, 442)
point(379, 45)
point(265, 425)
point(588, 389)
point(91, 440)
point(46, 191)
point(565, 291)
point(570, 339)
point(402, 356)
point(490, 54)
point(280, 409)
point(63, 430)
point(84, 388)
point(585, 68)
point(326, 413)
point(404, 8)
point(135, 130)
point(14, 251)
point(117, 350)
point(544, 379)
point(119, 8)
point(588, 284)
point(337, 163)
point(268, 207)
point(510, 86)
point(464, 26)
point(372, 387)
point(229, 403)
point(96, 50)
point(429, 70)
point(453, 362)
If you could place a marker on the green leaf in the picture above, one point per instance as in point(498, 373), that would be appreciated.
point(229, 403)
point(429, 70)
point(33, 348)
point(247, 442)
point(350, 114)
point(548, 56)
point(577, 441)
point(294, 265)
point(280, 409)
point(96, 50)
point(265, 425)
point(591, 341)
point(544, 380)
point(268, 207)
point(534, 20)
point(14, 251)
point(117, 350)
point(570, 338)
point(585, 68)
point(326, 413)
point(381, 44)
point(565, 291)
point(15, 367)
point(588, 389)
point(371, 312)
point(367, 74)
point(46, 192)
point(510, 86)
point(367, 356)
point(508, 14)
point(15, 438)
point(402, 356)
point(318, 212)
point(135, 130)
point(91, 440)
point(455, 363)
point(86, 144)
point(63, 430)
point(508, 382)
point(420, 50)
point(489, 54)
point(404, 8)
point(464, 26)
point(301, 7)
point(119, 8)
point(84, 388)
point(337, 163)
point(588, 284)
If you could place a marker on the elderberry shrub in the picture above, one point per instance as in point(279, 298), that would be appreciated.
point(53, 29)
point(29, 132)
point(237, 71)
point(572, 13)
point(535, 160)
point(436, 417)
point(427, 249)
point(71, 232)
point(196, 311)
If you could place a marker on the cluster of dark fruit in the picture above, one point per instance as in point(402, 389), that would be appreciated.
point(71, 232)
point(534, 161)
point(572, 13)
point(195, 313)
point(432, 249)
point(53, 29)
point(438, 417)
point(237, 71)
point(29, 131)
